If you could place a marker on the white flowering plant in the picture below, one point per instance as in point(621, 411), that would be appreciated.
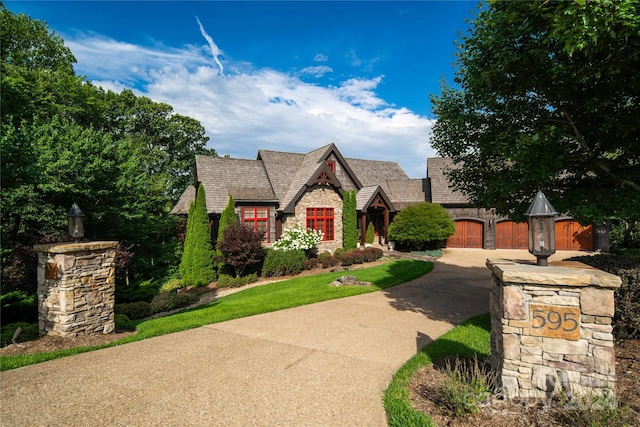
point(297, 237)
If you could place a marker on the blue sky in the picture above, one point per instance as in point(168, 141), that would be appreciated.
point(289, 76)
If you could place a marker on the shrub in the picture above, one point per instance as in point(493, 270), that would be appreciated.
point(140, 291)
point(134, 310)
point(420, 225)
point(338, 252)
point(323, 256)
point(283, 263)
point(330, 261)
point(241, 247)
point(123, 323)
point(197, 267)
point(626, 320)
point(355, 256)
point(297, 238)
point(30, 331)
point(171, 285)
point(371, 234)
point(466, 388)
point(311, 263)
point(227, 281)
point(372, 254)
point(18, 306)
point(167, 301)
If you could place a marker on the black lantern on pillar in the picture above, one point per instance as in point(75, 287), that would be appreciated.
point(542, 231)
point(76, 222)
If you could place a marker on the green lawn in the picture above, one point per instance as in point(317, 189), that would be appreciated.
point(261, 299)
point(468, 338)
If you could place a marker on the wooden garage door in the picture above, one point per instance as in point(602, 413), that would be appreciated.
point(512, 235)
point(468, 235)
point(571, 236)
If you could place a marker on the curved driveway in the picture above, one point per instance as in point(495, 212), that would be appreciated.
point(324, 364)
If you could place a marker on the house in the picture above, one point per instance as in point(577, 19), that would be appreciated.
point(482, 228)
point(279, 189)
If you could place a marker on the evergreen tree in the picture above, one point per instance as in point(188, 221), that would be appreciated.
point(349, 220)
point(197, 267)
point(228, 219)
point(371, 234)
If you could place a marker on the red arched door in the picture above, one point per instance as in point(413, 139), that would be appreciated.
point(468, 235)
point(512, 235)
point(571, 236)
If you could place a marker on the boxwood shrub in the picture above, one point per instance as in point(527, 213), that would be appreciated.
point(283, 263)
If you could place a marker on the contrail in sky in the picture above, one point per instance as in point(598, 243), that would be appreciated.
point(214, 47)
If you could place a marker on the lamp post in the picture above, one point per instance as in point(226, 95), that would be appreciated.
point(76, 222)
point(542, 231)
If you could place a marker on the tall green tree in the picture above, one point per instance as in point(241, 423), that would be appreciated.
point(547, 96)
point(124, 159)
point(197, 267)
point(349, 220)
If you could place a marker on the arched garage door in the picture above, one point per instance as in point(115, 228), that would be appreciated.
point(512, 235)
point(468, 235)
point(571, 236)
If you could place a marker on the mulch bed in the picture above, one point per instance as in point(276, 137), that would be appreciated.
point(426, 398)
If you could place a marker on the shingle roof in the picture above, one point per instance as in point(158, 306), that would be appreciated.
point(407, 192)
point(366, 195)
point(182, 207)
point(221, 175)
point(441, 192)
point(281, 177)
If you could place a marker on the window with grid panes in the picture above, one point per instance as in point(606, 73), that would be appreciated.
point(321, 219)
point(257, 219)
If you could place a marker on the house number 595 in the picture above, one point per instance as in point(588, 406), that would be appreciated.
point(555, 321)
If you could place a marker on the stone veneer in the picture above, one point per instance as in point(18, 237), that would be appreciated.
point(319, 196)
point(551, 329)
point(76, 288)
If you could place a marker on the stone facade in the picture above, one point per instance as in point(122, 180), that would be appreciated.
point(551, 330)
point(319, 197)
point(76, 288)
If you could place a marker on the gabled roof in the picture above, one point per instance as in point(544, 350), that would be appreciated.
point(281, 178)
point(366, 195)
point(441, 192)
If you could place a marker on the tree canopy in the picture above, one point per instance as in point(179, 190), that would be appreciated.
point(123, 158)
point(547, 97)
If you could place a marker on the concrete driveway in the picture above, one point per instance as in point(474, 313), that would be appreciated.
point(324, 364)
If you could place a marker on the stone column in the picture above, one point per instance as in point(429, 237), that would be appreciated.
point(551, 330)
point(76, 288)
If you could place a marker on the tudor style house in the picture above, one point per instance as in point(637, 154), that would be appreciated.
point(278, 190)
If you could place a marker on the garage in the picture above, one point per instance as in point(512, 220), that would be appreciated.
point(571, 236)
point(468, 235)
point(512, 235)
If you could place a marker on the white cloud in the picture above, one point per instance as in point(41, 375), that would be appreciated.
point(248, 109)
point(320, 58)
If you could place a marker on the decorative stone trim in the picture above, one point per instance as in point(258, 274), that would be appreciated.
point(551, 329)
point(76, 288)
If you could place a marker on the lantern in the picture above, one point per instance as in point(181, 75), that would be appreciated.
point(76, 222)
point(542, 231)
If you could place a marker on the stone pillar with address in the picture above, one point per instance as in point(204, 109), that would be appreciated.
point(551, 330)
point(76, 288)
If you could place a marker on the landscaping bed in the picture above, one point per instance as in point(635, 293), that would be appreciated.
point(425, 397)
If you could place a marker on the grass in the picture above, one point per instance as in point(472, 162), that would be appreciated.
point(467, 339)
point(261, 299)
